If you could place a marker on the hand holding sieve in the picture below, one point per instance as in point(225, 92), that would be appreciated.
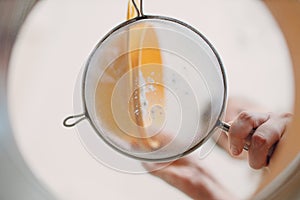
point(154, 89)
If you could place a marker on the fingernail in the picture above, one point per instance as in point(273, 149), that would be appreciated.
point(234, 150)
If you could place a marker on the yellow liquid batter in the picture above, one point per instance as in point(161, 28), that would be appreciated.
point(140, 64)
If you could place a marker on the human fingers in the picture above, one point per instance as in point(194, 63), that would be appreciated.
point(241, 127)
point(264, 138)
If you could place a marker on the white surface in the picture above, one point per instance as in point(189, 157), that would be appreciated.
point(53, 46)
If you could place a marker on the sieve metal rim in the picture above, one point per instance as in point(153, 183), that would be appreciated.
point(86, 114)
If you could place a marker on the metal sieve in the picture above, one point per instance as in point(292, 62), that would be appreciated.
point(153, 89)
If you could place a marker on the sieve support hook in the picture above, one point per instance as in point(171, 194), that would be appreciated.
point(140, 9)
point(73, 120)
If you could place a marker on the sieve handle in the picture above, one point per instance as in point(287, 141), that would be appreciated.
point(225, 127)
